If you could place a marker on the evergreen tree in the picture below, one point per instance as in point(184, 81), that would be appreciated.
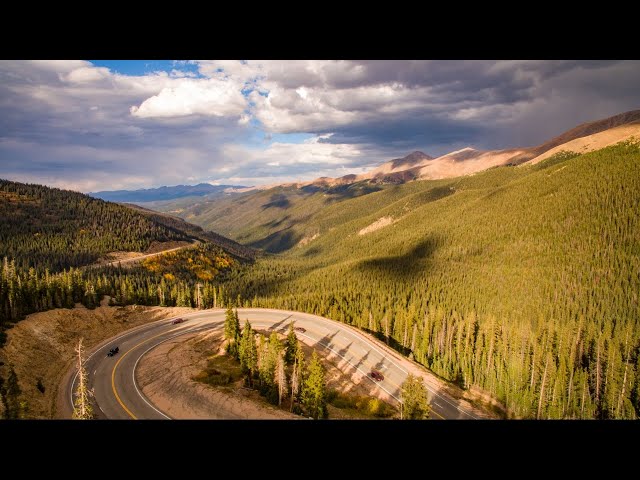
point(248, 352)
point(291, 345)
point(271, 352)
point(236, 326)
point(231, 331)
point(13, 406)
point(314, 391)
point(415, 405)
point(297, 376)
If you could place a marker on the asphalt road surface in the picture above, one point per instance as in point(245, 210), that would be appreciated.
point(113, 379)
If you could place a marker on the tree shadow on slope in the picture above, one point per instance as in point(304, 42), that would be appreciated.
point(278, 241)
point(339, 193)
point(277, 222)
point(435, 193)
point(405, 266)
point(277, 200)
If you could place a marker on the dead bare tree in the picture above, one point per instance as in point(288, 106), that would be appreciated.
point(281, 378)
point(82, 407)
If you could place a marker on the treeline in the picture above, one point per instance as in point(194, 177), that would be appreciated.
point(178, 282)
point(49, 228)
point(525, 282)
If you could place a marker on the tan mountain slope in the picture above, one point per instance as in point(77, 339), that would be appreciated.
point(595, 141)
point(397, 165)
point(465, 162)
point(582, 130)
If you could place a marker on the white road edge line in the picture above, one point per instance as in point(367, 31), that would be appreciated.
point(135, 366)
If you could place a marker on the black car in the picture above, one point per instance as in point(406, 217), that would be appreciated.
point(376, 375)
point(113, 351)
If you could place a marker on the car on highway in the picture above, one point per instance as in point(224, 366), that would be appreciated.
point(178, 320)
point(113, 351)
point(376, 375)
point(300, 329)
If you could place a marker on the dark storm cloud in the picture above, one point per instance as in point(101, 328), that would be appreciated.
point(486, 104)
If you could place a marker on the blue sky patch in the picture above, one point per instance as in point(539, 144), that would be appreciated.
point(144, 67)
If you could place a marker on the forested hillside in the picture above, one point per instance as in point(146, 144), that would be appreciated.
point(49, 228)
point(523, 281)
point(283, 208)
point(194, 231)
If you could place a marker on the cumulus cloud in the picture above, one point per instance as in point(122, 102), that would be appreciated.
point(213, 97)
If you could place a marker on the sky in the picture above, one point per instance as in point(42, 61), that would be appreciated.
point(91, 125)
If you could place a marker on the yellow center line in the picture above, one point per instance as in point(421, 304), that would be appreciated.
point(113, 374)
point(433, 411)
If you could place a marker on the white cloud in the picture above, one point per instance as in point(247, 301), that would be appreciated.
point(84, 75)
point(191, 97)
point(286, 162)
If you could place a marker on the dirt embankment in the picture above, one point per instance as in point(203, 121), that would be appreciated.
point(41, 346)
point(166, 373)
point(165, 377)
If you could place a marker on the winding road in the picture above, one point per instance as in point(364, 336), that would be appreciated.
point(116, 392)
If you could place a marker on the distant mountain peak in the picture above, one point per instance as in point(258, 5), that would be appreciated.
point(410, 160)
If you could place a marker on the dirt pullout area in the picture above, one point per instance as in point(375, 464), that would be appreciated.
point(41, 347)
point(165, 377)
point(166, 373)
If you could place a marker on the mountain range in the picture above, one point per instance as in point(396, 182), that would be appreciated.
point(164, 193)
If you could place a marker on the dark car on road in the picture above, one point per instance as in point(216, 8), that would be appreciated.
point(178, 320)
point(376, 375)
point(113, 351)
point(300, 329)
